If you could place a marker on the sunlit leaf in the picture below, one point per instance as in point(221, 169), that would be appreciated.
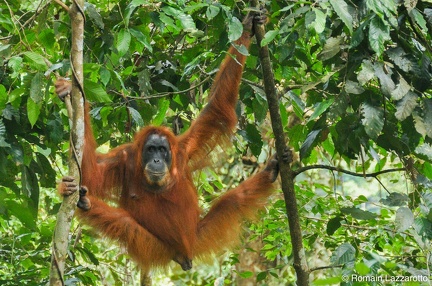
point(372, 120)
point(366, 73)
point(123, 42)
point(212, 11)
point(268, 37)
point(379, 33)
point(401, 89)
point(404, 219)
point(35, 60)
point(162, 109)
point(33, 111)
point(341, 9)
point(235, 29)
point(95, 92)
point(406, 105)
point(331, 48)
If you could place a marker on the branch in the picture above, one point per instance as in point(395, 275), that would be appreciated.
point(75, 108)
point(63, 5)
point(337, 169)
point(287, 176)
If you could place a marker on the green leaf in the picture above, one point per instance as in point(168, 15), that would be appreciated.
point(366, 73)
point(23, 214)
point(246, 274)
point(379, 33)
point(427, 118)
point(253, 136)
point(33, 111)
point(320, 108)
point(141, 38)
point(406, 106)
point(3, 97)
point(404, 219)
point(131, 8)
point(94, 91)
point(212, 11)
point(395, 199)
point(333, 225)
point(353, 87)
point(320, 21)
point(15, 63)
point(358, 213)
point(419, 19)
point(372, 120)
point(341, 9)
point(261, 276)
point(235, 29)
point(423, 227)
point(35, 60)
point(136, 116)
point(387, 84)
point(311, 140)
point(162, 109)
point(93, 15)
point(331, 48)
point(424, 149)
point(186, 21)
point(343, 254)
point(3, 143)
point(123, 42)
point(36, 88)
point(268, 37)
point(401, 89)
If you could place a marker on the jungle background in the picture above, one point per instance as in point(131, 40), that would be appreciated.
point(355, 85)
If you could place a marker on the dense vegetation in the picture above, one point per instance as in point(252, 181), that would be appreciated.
point(355, 85)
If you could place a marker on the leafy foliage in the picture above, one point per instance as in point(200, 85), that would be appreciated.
point(355, 80)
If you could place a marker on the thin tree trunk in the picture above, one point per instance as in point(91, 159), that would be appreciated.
point(287, 175)
point(75, 107)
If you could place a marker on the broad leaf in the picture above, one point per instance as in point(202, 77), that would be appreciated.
point(331, 48)
point(94, 92)
point(406, 105)
point(358, 213)
point(310, 142)
point(372, 120)
point(341, 9)
point(161, 114)
point(401, 89)
point(123, 42)
point(268, 37)
point(36, 88)
point(404, 219)
point(136, 116)
point(235, 29)
point(379, 33)
point(33, 111)
point(395, 199)
point(35, 60)
point(343, 254)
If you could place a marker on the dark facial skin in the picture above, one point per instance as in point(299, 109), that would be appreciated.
point(156, 159)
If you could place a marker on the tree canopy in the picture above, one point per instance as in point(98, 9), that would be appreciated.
point(354, 81)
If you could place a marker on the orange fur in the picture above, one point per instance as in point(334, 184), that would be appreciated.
point(157, 228)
